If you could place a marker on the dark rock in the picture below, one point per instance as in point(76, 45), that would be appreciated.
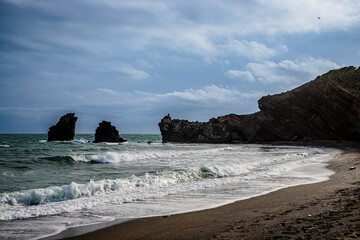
point(185, 131)
point(107, 133)
point(64, 130)
point(327, 108)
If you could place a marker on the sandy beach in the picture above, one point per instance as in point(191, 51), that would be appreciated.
point(326, 210)
point(168, 120)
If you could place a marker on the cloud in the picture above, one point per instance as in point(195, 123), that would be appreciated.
point(292, 17)
point(119, 26)
point(106, 90)
point(128, 71)
point(205, 102)
point(290, 71)
point(302, 16)
point(144, 64)
point(242, 75)
point(145, 58)
point(207, 93)
point(211, 94)
point(211, 97)
point(250, 49)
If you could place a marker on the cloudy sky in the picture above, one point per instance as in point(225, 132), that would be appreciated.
point(132, 62)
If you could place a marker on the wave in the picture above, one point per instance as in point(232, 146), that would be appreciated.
point(56, 160)
point(113, 143)
point(8, 174)
point(126, 156)
point(4, 146)
point(72, 197)
point(105, 186)
point(76, 196)
point(80, 141)
point(112, 157)
point(75, 141)
point(267, 166)
point(317, 151)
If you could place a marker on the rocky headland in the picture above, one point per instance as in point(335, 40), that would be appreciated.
point(106, 132)
point(327, 108)
point(64, 130)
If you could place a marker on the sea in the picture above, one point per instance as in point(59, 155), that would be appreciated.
point(47, 188)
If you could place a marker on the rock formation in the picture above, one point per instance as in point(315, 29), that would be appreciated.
point(107, 133)
point(327, 108)
point(64, 130)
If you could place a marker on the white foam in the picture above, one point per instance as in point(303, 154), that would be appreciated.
point(318, 151)
point(314, 172)
point(112, 143)
point(225, 170)
point(5, 146)
point(193, 177)
point(7, 174)
point(105, 186)
point(80, 141)
point(128, 156)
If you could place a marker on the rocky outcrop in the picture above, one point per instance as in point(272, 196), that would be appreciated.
point(327, 108)
point(64, 130)
point(198, 132)
point(107, 133)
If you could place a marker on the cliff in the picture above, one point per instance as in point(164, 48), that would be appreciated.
point(64, 130)
point(327, 108)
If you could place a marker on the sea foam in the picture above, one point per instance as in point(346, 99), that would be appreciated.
point(56, 199)
point(126, 156)
point(80, 141)
point(191, 170)
point(77, 190)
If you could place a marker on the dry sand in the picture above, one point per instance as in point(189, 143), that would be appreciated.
point(326, 210)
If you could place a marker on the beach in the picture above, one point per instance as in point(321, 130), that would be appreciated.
point(179, 120)
point(98, 185)
point(325, 210)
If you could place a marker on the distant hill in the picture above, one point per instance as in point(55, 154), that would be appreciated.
point(327, 108)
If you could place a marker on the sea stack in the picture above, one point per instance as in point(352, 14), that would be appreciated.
point(107, 133)
point(64, 130)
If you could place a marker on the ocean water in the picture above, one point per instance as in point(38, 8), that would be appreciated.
point(48, 187)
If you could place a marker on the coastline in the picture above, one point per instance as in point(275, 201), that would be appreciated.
point(299, 211)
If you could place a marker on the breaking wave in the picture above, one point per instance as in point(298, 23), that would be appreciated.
point(158, 179)
point(105, 186)
point(112, 157)
point(79, 195)
point(118, 157)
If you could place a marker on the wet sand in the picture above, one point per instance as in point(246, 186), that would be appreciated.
point(326, 210)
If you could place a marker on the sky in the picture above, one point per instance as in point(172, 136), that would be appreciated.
point(133, 62)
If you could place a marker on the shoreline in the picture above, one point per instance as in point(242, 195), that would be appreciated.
point(247, 218)
point(81, 230)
